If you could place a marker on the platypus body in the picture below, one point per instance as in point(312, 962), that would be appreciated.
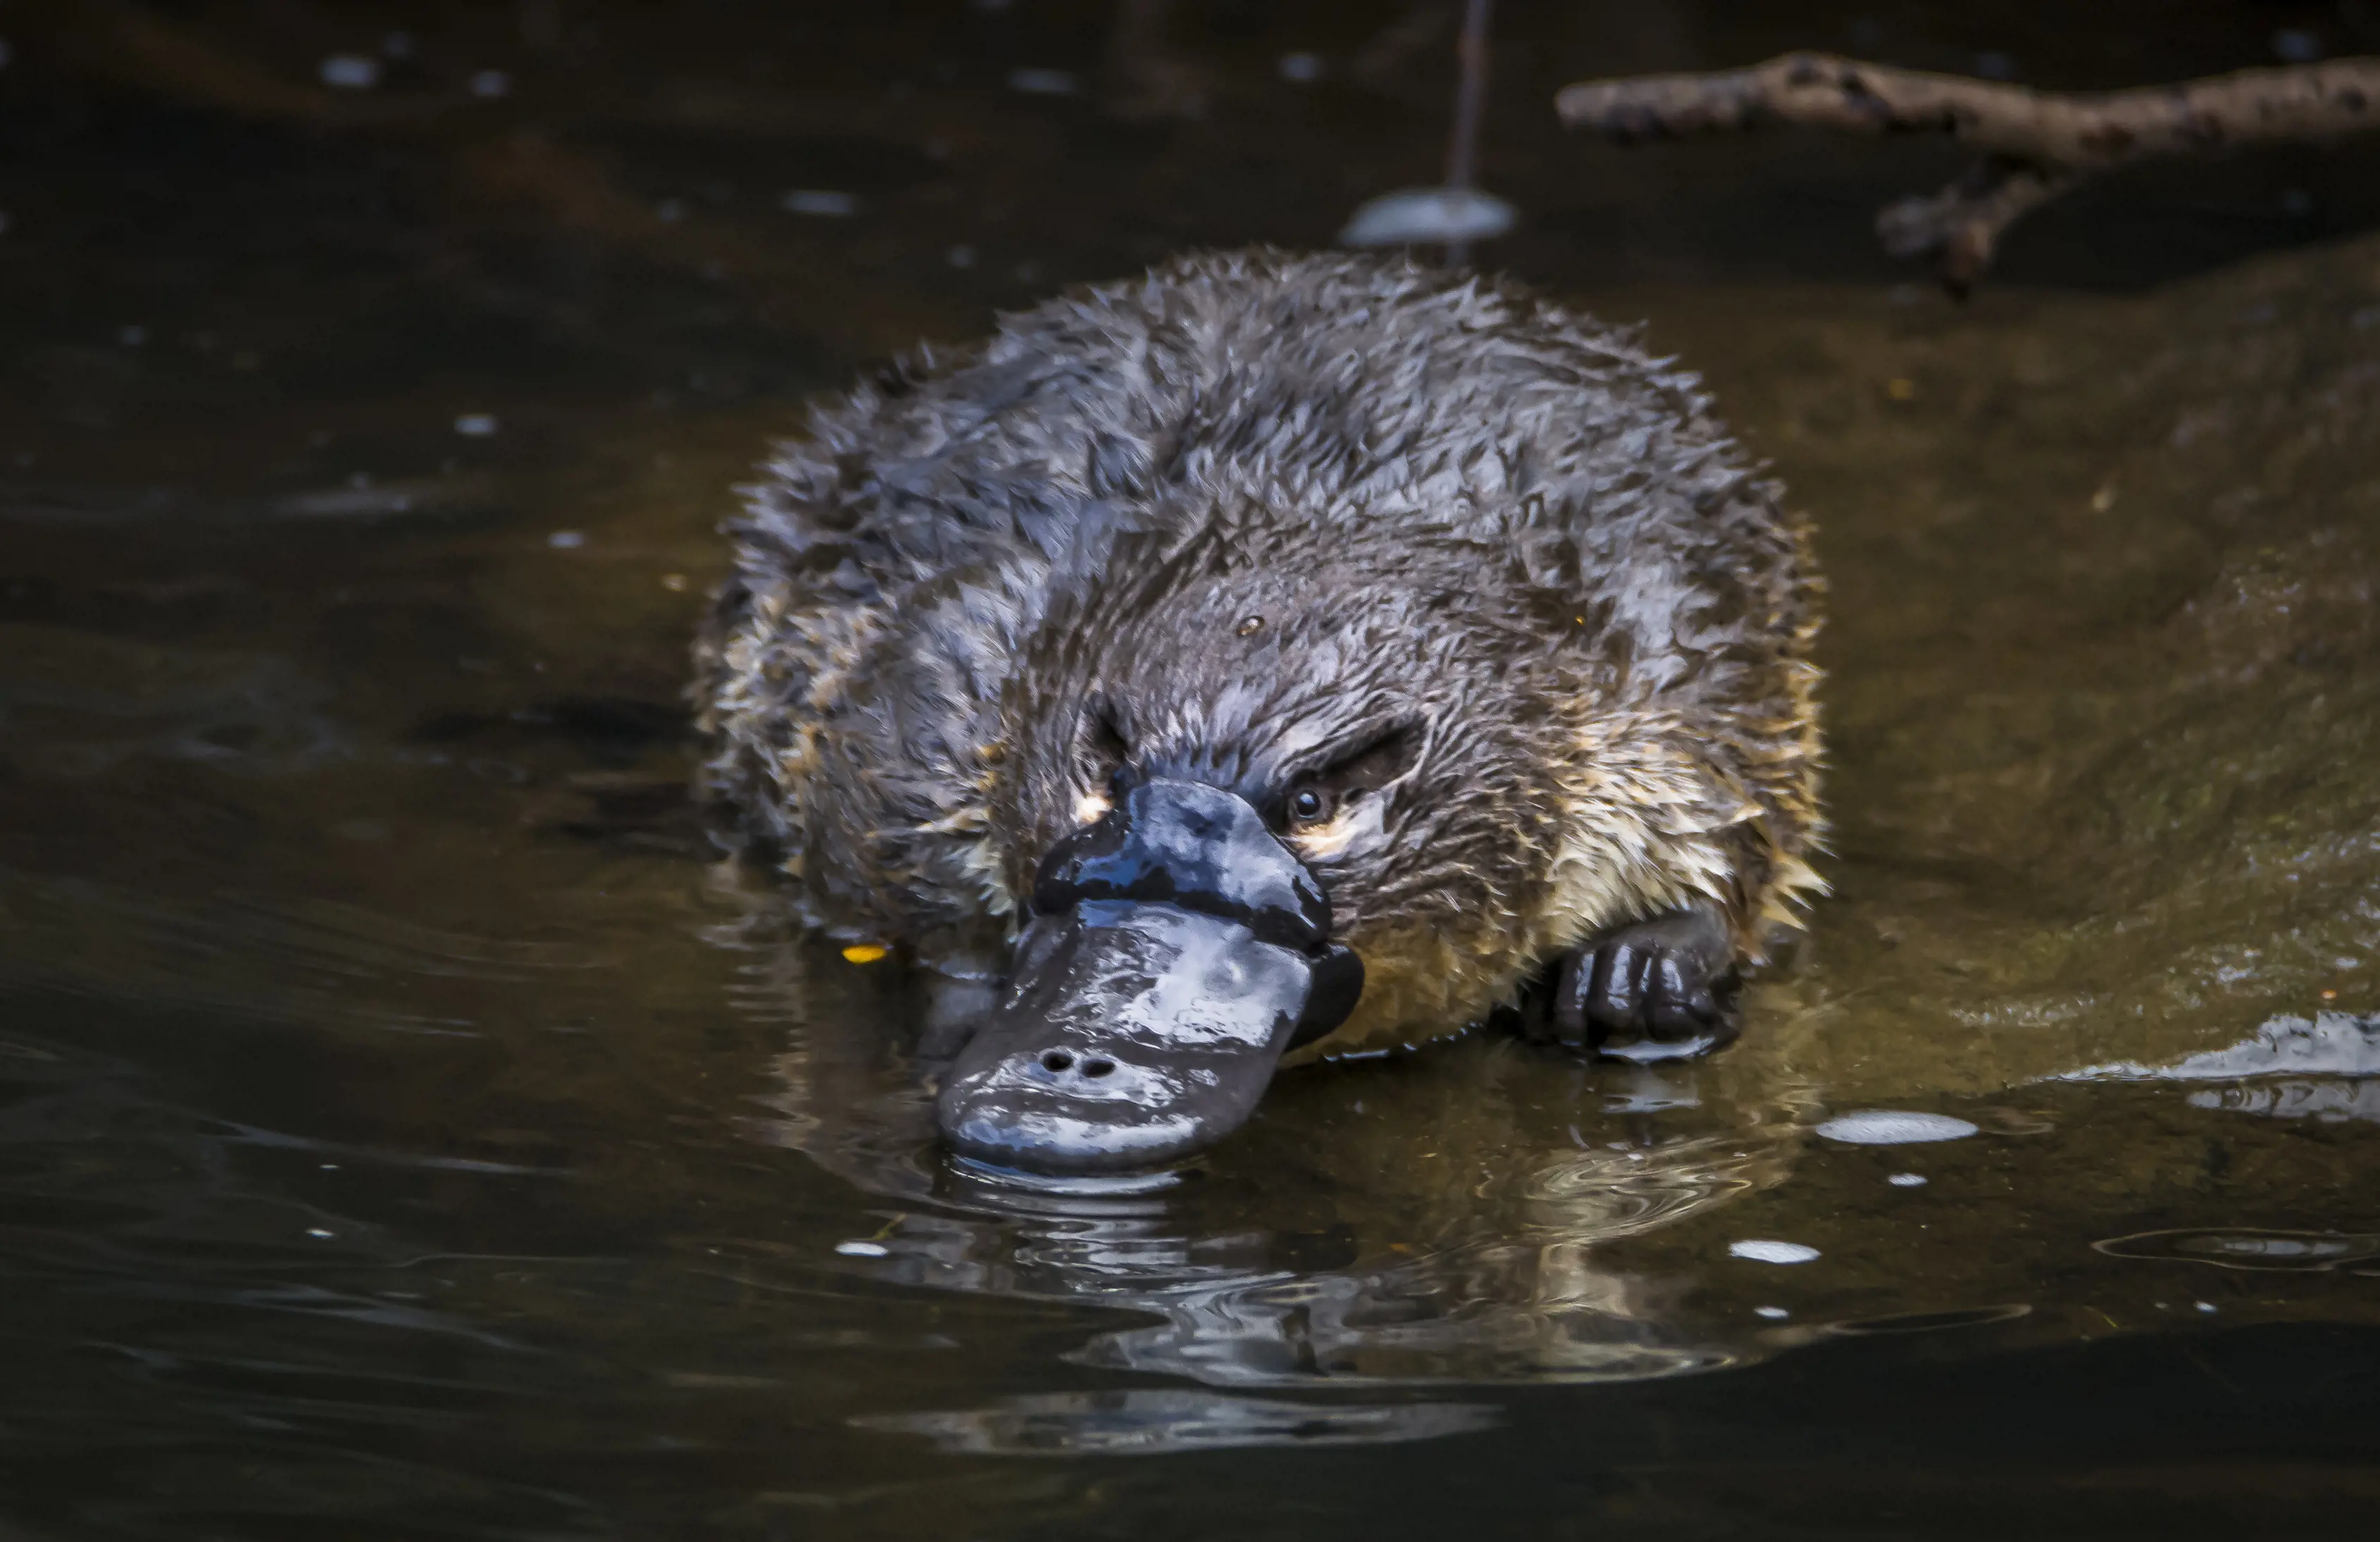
point(1276, 654)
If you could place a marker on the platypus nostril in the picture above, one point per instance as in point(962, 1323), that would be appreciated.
point(1099, 1068)
point(1059, 1060)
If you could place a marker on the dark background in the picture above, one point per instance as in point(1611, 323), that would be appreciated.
point(613, 220)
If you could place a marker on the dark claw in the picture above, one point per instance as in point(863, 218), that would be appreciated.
point(1656, 989)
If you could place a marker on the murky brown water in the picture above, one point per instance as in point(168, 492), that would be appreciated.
point(407, 1128)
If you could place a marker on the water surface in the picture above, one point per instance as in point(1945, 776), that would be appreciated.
point(409, 1127)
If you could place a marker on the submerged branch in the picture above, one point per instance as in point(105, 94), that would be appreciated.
point(2034, 144)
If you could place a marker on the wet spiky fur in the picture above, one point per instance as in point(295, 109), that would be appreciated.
point(1236, 521)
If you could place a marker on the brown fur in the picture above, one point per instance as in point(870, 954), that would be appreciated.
point(1237, 521)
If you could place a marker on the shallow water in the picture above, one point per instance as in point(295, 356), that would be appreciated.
point(408, 1128)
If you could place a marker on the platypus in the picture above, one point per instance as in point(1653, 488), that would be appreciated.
point(1274, 656)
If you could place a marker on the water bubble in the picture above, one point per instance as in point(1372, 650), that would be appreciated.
point(1302, 68)
point(350, 72)
point(863, 1249)
point(1764, 1251)
point(1042, 82)
point(317, 1231)
point(566, 540)
point(1770, 1312)
point(1894, 1127)
point(1907, 1179)
point(475, 425)
point(823, 203)
point(1427, 216)
point(491, 83)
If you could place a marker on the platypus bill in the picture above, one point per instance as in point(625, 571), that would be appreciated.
point(1275, 656)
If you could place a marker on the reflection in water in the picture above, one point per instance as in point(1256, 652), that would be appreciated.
point(1929, 1322)
point(2248, 1247)
point(1467, 1249)
point(2329, 1101)
point(1155, 1423)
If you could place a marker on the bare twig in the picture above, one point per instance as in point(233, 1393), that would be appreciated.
point(2034, 144)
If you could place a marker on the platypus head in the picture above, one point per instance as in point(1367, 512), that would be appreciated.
point(1226, 791)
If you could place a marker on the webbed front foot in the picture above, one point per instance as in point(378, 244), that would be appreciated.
point(1662, 988)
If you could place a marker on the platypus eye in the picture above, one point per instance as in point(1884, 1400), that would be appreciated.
point(1319, 795)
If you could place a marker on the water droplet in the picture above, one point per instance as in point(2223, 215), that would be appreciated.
point(491, 83)
point(477, 425)
point(317, 1231)
point(821, 203)
point(566, 540)
point(1894, 1127)
point(1907, 1179)
point(1771, 1311)
point(1763, 1251)
point(1302, 68)
point(1042, 82)
point(350, 72)
point(862, 1249)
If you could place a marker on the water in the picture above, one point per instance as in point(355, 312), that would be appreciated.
point(407, 1128)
